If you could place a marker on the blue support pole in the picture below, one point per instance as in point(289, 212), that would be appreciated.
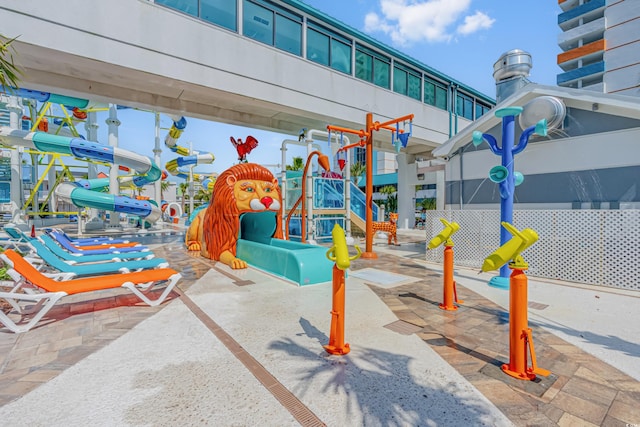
point(506, 188)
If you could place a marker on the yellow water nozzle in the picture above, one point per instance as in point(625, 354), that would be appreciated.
point(520, 241)
point(449, 229)
point(339, 252)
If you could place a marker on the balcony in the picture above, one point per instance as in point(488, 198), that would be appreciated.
point(590, 72)
point(581, 14)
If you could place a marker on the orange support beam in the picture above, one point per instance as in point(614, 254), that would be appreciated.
point(368, 134)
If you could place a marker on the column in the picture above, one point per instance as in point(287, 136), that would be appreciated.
point(406, 193)
point(440, 190)
point(91, 127)
point(114, 186)
point(157, 186)
point(17, 197)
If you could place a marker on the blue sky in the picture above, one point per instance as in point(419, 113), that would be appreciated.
point(460, 38)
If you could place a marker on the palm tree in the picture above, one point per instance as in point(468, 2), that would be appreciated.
point(297, 165)
point(357, 170)
point(183, 187)
point(164, 186)
point(391, 202)
point(9, 72)
point(427, 204)
point(203, 195)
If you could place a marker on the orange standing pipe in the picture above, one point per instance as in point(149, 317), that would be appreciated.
point(519, 333)
point(336, 339)
point(449, 285)
point(339, 253)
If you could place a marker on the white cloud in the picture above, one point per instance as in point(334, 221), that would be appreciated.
point(410, 21)
point(473, 23)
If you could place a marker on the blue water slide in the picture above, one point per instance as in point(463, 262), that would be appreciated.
point(81, 193)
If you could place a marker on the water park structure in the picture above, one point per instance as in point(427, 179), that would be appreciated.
point(243, 226)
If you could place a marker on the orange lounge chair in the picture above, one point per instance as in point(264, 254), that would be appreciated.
point(34, 287)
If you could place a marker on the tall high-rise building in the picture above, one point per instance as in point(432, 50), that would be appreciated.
point(600, 44)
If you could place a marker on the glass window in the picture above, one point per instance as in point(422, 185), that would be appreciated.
point(371, 67)
point(441, 97)
point(359, 155)
point(381, 73)
point(220, 12)
point(407, 82)
point(464, 107)
point(399, 81)
point(364, 66)
point(414, 87)
point(288, 35)
point(328, 48)
point(317, 47)
point(481, 110)
point(257, 22)
point(435, 94)
point(189, 7)
point(340, 56)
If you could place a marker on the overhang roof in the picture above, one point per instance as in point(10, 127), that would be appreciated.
point(618, 105)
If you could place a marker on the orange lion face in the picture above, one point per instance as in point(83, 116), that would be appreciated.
point(255, 195)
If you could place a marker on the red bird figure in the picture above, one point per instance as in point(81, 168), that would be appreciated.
point(244, 148)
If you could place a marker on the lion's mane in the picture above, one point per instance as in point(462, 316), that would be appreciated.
point(222, 220)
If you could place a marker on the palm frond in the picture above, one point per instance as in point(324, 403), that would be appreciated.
point(9, 71)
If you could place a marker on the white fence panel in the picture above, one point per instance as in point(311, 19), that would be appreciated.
point(595, 247)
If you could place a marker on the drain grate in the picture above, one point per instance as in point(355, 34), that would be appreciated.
point(402, 327)
point(537, 305)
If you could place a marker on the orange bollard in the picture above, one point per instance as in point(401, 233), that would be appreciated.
point(336, 340)
point(519, 332)
point(33, 230)
point(449, 285)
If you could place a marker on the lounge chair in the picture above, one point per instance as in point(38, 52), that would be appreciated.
point(35, 288)
point(89, 250)
point(93, 245)
point(77, 258)
point(15, 232)
point(96, 268)
point(88, 240)
point(17, 240)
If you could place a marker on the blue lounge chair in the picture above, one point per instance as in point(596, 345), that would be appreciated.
point(65, 243)
point(16, 238)
point(94, 269)
point(88, 240)
point(71, 258)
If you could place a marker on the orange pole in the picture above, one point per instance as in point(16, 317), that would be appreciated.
point(368, 252)
point(448, 288)
point(355, 144)
point(361, 133)
point(518, 328)
point(336, 344)
point(394, 121)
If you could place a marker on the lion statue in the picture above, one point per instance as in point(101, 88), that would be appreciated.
point(243, 188)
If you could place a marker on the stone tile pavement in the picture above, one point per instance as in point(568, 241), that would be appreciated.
point(582, 390)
